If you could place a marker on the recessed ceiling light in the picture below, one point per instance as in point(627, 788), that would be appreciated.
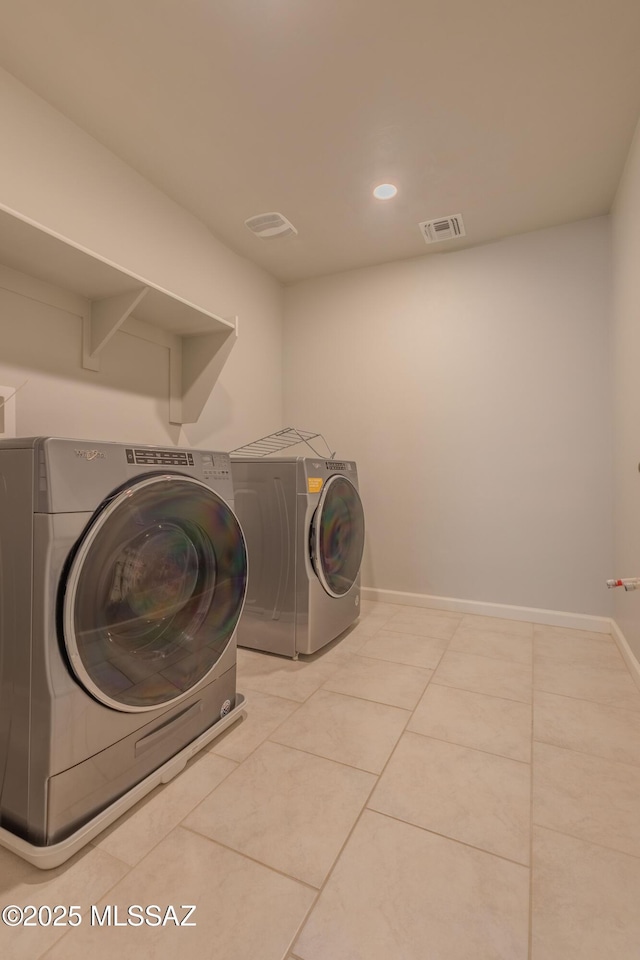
point(385, 191)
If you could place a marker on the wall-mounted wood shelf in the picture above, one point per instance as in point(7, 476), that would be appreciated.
point(109, 299)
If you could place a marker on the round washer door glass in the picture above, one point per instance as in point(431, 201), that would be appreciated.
point(154, 591)
point(338, 536)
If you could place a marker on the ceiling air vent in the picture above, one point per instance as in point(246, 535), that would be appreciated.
point(443, 228)
point(267, 225)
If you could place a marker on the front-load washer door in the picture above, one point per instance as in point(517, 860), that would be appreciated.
point(153, 592)
point(337, 536)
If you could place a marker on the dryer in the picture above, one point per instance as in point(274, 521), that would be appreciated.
point(304, 524)
point(122, 578)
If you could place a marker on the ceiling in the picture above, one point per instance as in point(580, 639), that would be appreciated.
point(518, 114)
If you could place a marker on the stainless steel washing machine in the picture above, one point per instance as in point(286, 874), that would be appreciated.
point(122, 578)
point(304, 524)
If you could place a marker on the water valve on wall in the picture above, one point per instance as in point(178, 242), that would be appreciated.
point(629, 583)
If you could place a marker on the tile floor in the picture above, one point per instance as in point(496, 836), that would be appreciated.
point(431, 787)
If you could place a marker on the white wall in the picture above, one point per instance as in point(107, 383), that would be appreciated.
point(54, 173)
point(626, 379)
point(473, 390)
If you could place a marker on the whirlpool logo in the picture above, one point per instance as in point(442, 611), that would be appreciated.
point(91, 454)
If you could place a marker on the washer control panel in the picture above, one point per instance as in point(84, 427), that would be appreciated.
point(159, 458)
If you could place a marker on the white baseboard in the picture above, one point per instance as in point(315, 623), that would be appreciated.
point(627, 653)
point(551, 618)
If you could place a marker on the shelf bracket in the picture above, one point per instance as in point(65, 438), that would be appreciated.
point(106, 316)
point(195, 363)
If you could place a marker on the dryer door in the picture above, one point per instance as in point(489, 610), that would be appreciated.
point(153, 592)
point(337, 536)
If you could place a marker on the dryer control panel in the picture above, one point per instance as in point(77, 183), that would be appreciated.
point(216, 466)
point(325, 468)
point(316, 473)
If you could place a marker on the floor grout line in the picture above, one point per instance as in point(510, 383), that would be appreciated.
point(601, 703)
point(468, 746)
point(275, 696)
point(586, 753)
point(491, 656)
point(478, 693)
point(545, 659)
point(583, 753)
point(248, 856)
point(440, 683)
point(485, 656)
point(593, 843)
point(382, 703)
point(353, 696)
point(597, 703)
point(320, 756)
point(396, 663)
point(446, 836)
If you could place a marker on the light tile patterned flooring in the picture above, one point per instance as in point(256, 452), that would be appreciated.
point(430, 787)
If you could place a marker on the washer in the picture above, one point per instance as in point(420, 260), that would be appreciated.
point(122, 578)
point(304, 524)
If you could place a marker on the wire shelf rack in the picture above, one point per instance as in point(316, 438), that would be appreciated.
point(276, 442)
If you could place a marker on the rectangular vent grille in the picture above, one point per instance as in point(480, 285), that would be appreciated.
point(443, 228)
point(267, 225)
